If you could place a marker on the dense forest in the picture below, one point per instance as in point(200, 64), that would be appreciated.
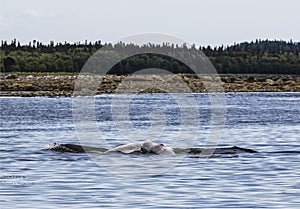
point(259, 57)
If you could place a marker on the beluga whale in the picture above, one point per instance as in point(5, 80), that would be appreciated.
point(145, 147)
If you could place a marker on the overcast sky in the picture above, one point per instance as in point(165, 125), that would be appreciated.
point(203, 22)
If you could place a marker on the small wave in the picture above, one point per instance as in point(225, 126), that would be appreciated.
point(286, 152)
point(12, 177)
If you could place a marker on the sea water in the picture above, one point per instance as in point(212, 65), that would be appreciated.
point(32, 177)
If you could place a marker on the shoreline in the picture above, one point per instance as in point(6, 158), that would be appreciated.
point(53, 85)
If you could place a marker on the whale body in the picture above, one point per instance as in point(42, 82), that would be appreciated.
point(126, 148)
point(74, 148)
point(156, 148)
point(146, 147)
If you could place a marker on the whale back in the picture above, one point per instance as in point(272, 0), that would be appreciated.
point(161, 149)
point(126, 148)
point(73, 148)
point(155, 148)
point(146, 146)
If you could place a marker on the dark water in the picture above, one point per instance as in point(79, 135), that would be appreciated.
point(32, 177)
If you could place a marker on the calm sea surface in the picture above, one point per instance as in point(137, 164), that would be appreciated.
point(32, 177)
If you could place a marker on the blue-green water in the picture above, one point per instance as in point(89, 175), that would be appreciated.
point(269, 123)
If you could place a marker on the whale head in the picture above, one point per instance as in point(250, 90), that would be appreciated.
point(155, 148)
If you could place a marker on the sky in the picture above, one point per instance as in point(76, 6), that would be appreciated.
point(202, 22)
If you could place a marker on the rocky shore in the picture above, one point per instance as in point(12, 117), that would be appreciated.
point(63, 85)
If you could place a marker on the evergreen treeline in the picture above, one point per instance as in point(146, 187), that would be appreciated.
point(259, 57)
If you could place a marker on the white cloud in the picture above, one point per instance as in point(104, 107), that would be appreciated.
point(3, 21)
point(33, 13)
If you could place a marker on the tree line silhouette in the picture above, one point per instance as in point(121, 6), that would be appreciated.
point(256, 57)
